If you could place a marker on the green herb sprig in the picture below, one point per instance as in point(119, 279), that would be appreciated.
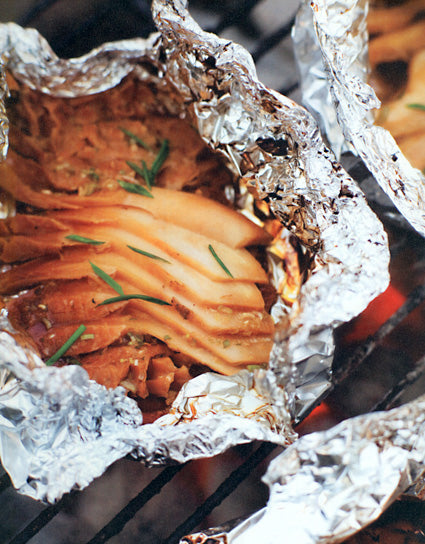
point(220, 262)
point(134, 188)
point(107, 278)
point(147, 254)
point(135, 138)
point(416, 106)
point(62, 350)
point(84, 240)
point(138, 169)
point(137, 297)
point(160, 158)
point(149, 174)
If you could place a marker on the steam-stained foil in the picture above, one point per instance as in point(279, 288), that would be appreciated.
point(328, 485)
point(338, 31)
point(59, 430)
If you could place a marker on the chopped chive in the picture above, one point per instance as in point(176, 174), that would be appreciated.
point(71, 340)
point(135, 138)
point(167, 337)
point(107, 278)
point(133, 188)
point(146, 254)
point(160, 158)
point(87, 337)
point(136, 168)
point(147, 174)
point(220, 262)
point(139, 297)
point(84, 240)
point(226, 343)
point(416, 106)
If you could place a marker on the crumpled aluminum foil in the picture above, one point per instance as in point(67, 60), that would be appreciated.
point(337, 32)
point(328, 485)
point(58, 430)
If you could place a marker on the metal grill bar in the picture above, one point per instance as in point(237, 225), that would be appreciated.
point(272, 40)
point(235, 15)
point(415, 298)
point(287, 91)
point(88, 25)
point(391, 398)
point(117, 524)
point(36, 10)
point(224, 490)
point(4, 482)
point(41, 520)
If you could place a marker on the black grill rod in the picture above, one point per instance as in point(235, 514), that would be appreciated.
point(268, 42)
point(286, 91)
point(34, 11)
point(235, 15)
point(4, 482)
point(41, 520)
point(86, 25)
point(116, 525)
point(415, 298)
point(222, 491)
point(392, 397)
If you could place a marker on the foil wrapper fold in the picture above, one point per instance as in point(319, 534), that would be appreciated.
point(276, 148)
point(328, 485)
point(337, 75)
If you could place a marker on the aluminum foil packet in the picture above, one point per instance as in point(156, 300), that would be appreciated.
point(337, 33)
point(58, 429)
point(328, 485)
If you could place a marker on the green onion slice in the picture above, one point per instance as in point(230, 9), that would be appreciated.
point(84, 240)
point(71, 340)
point(146, 254)
point(133, 188)
point(135, 138)
point(107, 278)
point(416, 106)
point(160, 158)
point(147, 174)
point(220, 262)
point(139, 297)
point(136, 168)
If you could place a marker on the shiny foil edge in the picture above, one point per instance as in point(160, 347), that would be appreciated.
point(314, 85)
point(330, 484)
point(158, 444)
point(338, 30)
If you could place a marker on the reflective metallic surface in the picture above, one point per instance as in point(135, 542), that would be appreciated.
point(337, 32)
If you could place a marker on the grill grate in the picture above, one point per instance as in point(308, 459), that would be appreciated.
point(132, 18)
